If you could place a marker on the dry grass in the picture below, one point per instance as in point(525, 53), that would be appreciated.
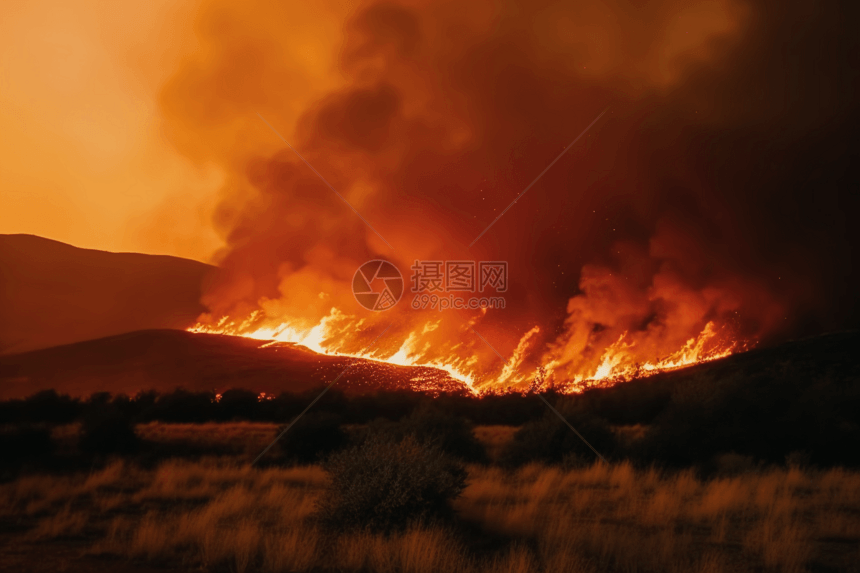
point(218, 514)
point(65, 523)
point(246, 439)
point(616, 518)
point(414, 551)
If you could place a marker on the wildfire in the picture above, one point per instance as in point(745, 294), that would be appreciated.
point(323, 338)
point(620, 362)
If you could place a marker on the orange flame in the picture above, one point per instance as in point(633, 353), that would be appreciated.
point(324, 337)
point(620, 362)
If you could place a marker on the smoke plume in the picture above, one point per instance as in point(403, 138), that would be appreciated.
point(713, 197)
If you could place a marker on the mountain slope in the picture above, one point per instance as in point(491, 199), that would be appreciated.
point(52, 293)
point(167, 359)
point(802, 396)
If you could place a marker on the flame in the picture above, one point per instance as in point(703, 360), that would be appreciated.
point(323, 338)
point(620, 362)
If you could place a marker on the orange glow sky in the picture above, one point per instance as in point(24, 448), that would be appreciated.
point(85, 160)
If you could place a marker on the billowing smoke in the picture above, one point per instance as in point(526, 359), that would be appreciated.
point(713, 197)
point(650, 305)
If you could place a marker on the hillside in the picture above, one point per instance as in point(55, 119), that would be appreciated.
point(801, 396)
point(52, 293)
point(167, 359)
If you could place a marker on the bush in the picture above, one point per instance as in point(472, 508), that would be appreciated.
point(237, 404)
point(108, 432)
point(313, 437)
point(452, 434)
point(49, 407)
point(429, 425)
point(385, 485)
point(18, 443)
point(183, 406)
point(549, 440)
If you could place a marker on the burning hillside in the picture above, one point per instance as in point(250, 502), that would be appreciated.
point(164, 360)
point(620, 362)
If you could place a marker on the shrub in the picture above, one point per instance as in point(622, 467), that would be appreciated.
point(49, 407)
point(237, 404)
point(452, 434)
point(549, 440)
point(313, 437)
point(18, 443)
point(108, 432)
point(183, 406)
point(429, 425)
point(385, 485)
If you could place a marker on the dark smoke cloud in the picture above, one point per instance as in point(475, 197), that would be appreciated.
point(721, 185)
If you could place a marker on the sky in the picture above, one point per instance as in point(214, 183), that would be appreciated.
point(84, 158)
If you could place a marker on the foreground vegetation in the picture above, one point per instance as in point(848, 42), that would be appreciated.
point(223, 516)
point(219, 514)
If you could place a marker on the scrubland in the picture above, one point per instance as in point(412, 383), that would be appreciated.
point(219, 514)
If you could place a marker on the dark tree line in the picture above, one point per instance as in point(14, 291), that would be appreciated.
point(181, 406)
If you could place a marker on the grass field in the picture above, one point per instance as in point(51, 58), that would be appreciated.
point(217, 514)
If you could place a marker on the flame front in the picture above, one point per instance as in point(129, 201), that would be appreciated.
point(620, 362)
point(327, 337)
